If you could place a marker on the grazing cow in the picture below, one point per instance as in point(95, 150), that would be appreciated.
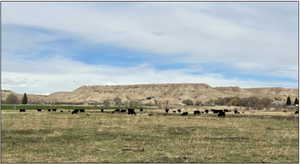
point(102, 110)
point(226, 110)
point(22, 110)
point(206, 111)
point(123, 110)
point(297, 112)
point(39, 110)
point(49, 110)
point(141, 110)
point(236, 112)
point(179, 110)
point(167, 110)
point(61, 111)
point(221, 114)
point(174, 111)
point(81, 110)
point(131, 111)
point(75, 111)
point(54, 110)
point(214, 111)
point(196, 112)
point(184, 114)
point(117, 110)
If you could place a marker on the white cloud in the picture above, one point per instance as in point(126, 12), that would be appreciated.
point(163, 30)
point(58, 78)
point(184, 33)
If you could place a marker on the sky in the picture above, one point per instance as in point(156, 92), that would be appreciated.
point(60, 46)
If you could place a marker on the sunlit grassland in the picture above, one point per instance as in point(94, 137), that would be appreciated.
point(106, 137)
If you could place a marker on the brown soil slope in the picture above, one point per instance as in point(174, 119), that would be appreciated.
point(151, 93)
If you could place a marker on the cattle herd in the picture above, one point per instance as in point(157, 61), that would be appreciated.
point(220, 113)
point(131, 111)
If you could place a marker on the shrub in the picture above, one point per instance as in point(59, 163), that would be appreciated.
point(12, 99)
point(106, 103)
point(118, 101)
point(133, 103)
point(188, 102)
point(288, 101)
point(198, 103)
point(296, 101)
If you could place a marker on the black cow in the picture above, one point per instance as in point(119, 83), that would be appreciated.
point(49, 110)
point(131, 111)
point(141, 110)
point(39, 110)
point(81, 110)
point(54, 110)
point(117, 110)
point(184, 114)
point(61, 111)
point(22, 110)
point(179, 110)
point(226, 110)
point(236, 112)
point(174, 111)
point(102, 110)
point(167, 110)
point(221, 113)
point(216, 111)
point(123, 110)
point(196, 112)
point(206, 111)
point(297, 112)
point(75, 111)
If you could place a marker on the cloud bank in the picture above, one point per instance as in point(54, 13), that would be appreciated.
point(197, 35)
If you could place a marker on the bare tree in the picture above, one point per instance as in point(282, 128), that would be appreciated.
point(106, 103)
point(118, 101)
point(12, 99)
point(188, 102)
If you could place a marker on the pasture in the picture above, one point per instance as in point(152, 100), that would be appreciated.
point(93, 136)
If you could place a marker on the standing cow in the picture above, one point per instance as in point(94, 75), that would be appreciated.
point(75, 111)
point(184, 114)
point(131, 111)
point(196, 112)
point(167, 110)
point(221, 113)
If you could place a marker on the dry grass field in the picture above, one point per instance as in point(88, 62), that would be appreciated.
point(105, 137)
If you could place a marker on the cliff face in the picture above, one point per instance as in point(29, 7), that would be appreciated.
point(151, 93)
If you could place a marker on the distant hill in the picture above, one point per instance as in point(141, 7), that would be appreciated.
point(151, 93)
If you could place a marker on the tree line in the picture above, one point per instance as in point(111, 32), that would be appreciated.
point(237, 101)
point(13, 99)
point(232, 101)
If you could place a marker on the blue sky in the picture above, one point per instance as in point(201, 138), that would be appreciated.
point(48, 47)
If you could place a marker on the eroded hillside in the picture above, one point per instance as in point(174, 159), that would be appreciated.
point(154, 93)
